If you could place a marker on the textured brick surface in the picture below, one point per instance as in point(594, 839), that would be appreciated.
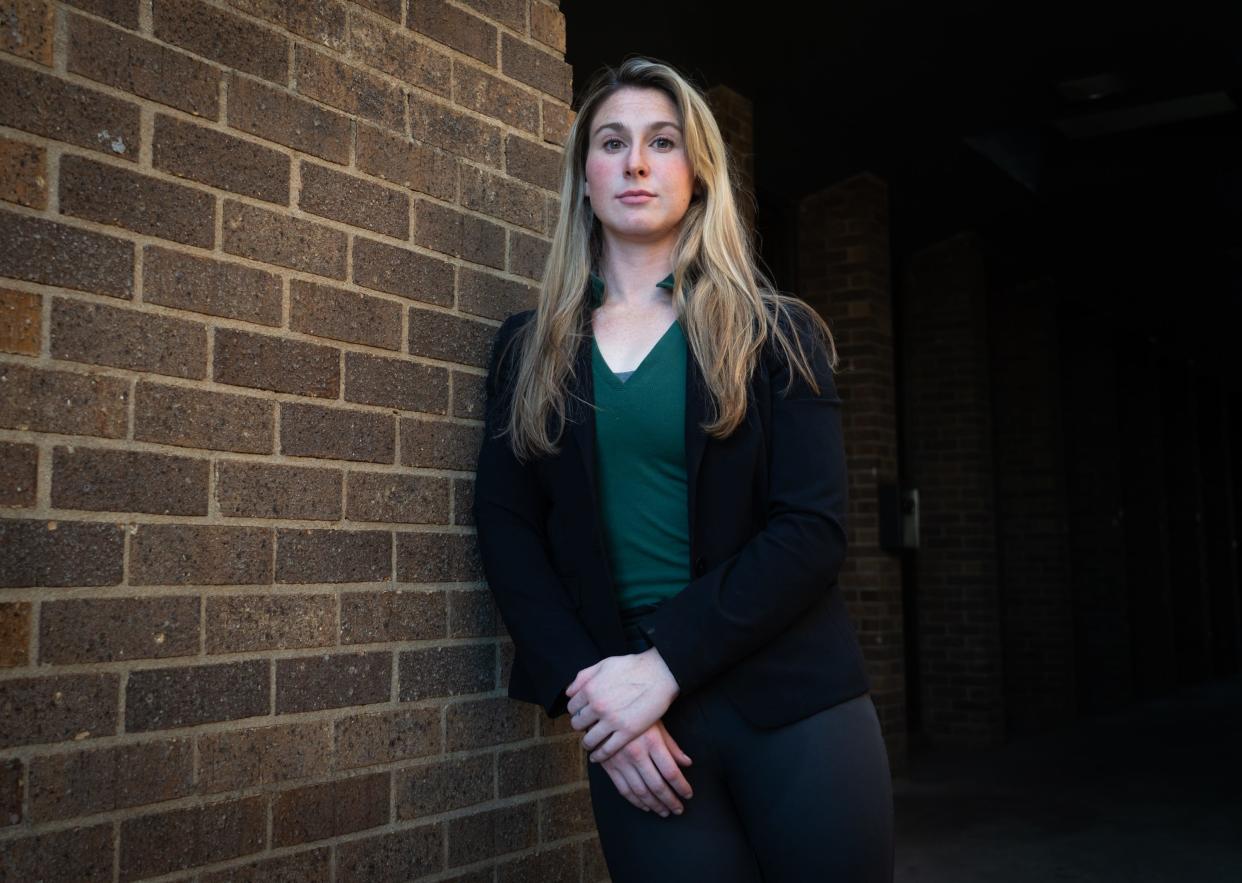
point(14, 634)
point(259, 490)
point(60, 553)
point(158, 699)
point(81, 783)
point(101, 334)
point(313, 431)
point(18, 465)
point(439, 444)
point(112, 629)
point(395, 383)
point(454, 131)
point(12, 792)
point(212, 157)
point(263, 755)
point(492, 832)
point(372, 617)
point(333, 556)
point(240, 623)
point(443, 786)
point(493, 96)
point(456, 28)
point(339, 314)
point(315, 812)
point(222, 37)
point(44, 251)
point(395, 52)
point(351, 89)
point(205, 285)
point(83, 855)
point(273, 238)
point(437, 557)
point(311, 866)
point(384, 737)
point(394, 497)
point(181, 554)
point(23, 173)
point(455, 233)
point(474, 724)
point(57, 708)
point(184, 838)
point(536, 767)
point(313, 683)
point(446, 671)
point(266, 361)
point(406, 163)
point(176, 415)
point(402, 271)
point(27, 32)
point(286, 119)
point(392, 858)
point(128, 481)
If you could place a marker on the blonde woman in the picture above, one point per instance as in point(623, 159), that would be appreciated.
point(660, 504)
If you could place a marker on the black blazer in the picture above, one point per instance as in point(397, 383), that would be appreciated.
point(763, 612)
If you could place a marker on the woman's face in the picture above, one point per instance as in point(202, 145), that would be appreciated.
point(636, 145)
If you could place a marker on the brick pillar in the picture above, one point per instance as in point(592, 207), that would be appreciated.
point(252, 258)
point(735, 114)
point(948, 430)
point(1031, 507)
point(843, 271)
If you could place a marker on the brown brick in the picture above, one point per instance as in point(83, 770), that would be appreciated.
point(403, 272)
point(311, 866)
point(566, 814)
point(63, 402)
point(313, 683)
point(184, 554)
point(209, 156)
point(20, 322)
point(55, 254)
point(162, 698)
point(528, 255)
point(395, 383)
point(12, 796)
point(60, 553)
point(396, 497)
point(557, 118)
point(228, 761)
point(333, 556)
point(408, 163)
point(14, 638)
point(113, 629)
point(49, 106)
point(100, 334)
point(317, 812)
point(275, 238)
point(492, 96)
point(339, 314)
point(113, 195)
point(455, 28)
point(446, 671)
point(400, 615)
point(142, 67)
point(443, 786)
point(454, 131)
point(547, 25)
point(437, 557)
point(449, 337)
point(387, 8)
point(438, 444)
point(237, 623)
point(57, 708)
point(262, 490)
point(493, 832)
point(458, 234)
point(392, 858)
point(23, 173)
point(533, 163)
point(265, 361)
point(26, 30)
point(336, 433)
point(82, 783)
point(501, 198)
point(205, 285)
point(468, 395)
point(176, 415)
point(349, 88)
point(19, 465)
point(123, 12)
point(229, 39)
point(482, 723)
point(472, 614)
point(394, 52)
point(367, 739)
point(160, 843)
point(537, 767)
point(278, 116)
point(76, 855)
point(322, 21)
point(486, 295)
point(352, 200)
point(128, 481)
point(535, 67)
point(511, 13)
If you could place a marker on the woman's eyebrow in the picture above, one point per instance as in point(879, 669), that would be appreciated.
point(620, 127)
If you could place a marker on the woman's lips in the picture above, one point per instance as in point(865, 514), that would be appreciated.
point(636, 199)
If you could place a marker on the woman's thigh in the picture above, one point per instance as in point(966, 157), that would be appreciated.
point(815, 796)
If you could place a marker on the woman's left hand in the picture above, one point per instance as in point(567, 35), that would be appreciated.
point(619, 698)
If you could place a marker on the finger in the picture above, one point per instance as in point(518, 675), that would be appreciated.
point(582, 677)
point(680, 755)
point(670, 771)
point(597, 734)
point(659, 787)
point(639, 787)
point(623, 787)
point(610, 746)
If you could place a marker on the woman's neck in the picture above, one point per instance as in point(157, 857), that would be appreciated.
point(631, 274)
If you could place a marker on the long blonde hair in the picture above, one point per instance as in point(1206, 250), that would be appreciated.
point(725, 303)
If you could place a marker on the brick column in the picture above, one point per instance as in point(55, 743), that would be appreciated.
point(843, 271)
point(948, 430)
point(735, 114)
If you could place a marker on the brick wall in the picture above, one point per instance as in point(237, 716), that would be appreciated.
point(252, 255)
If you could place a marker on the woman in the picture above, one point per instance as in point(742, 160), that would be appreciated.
point(660, 504)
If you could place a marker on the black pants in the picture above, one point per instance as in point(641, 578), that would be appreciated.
point(809, 801)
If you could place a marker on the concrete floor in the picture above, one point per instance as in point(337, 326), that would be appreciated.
point(1150, 793)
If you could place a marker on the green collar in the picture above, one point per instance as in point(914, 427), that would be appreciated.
point(597, 288)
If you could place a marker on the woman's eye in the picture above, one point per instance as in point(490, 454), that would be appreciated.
point(668, 141)
point(610, 142)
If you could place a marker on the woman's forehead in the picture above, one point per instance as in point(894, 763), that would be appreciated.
point(632, 107)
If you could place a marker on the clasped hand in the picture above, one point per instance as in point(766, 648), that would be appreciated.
point(619, 698)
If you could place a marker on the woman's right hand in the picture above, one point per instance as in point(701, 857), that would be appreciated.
point(644, 769)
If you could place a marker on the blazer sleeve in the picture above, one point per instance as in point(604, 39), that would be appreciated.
point(748, 599)
point(550, 641)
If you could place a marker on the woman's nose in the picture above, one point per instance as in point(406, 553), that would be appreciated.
point(637, 165)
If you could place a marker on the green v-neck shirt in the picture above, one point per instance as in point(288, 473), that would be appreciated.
point(640, 459)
